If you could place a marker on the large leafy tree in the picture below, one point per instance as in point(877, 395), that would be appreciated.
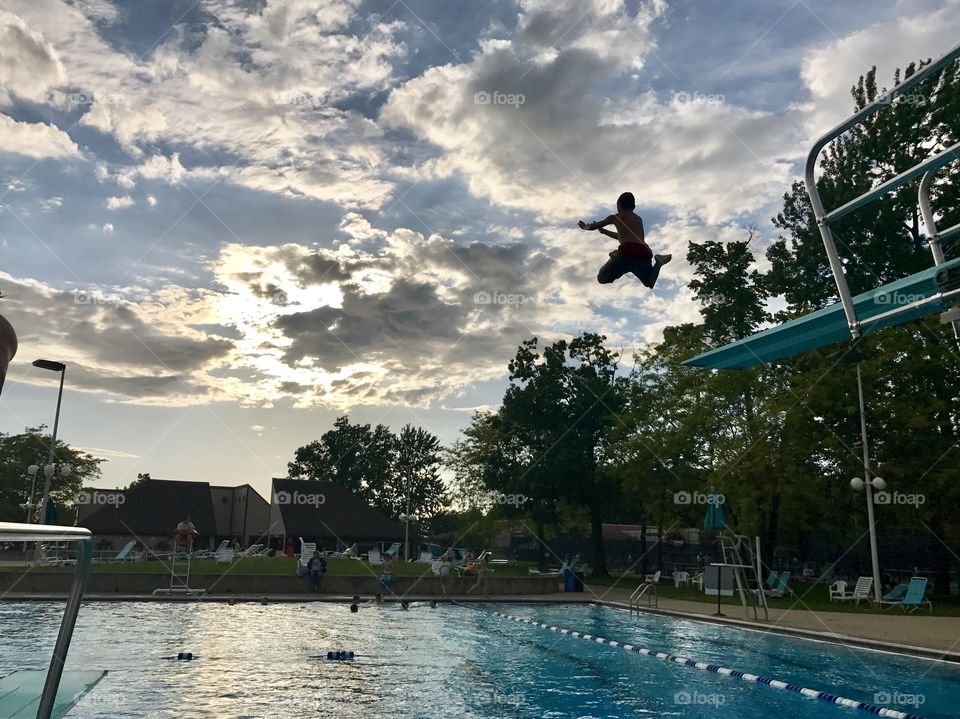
point(378, 466)
point(414, 485)
point(19, 451)
point(561, 405)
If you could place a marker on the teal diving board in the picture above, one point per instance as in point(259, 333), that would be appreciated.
point(20, 691)
point(898, 302)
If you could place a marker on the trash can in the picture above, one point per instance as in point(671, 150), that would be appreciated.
point(569, 580)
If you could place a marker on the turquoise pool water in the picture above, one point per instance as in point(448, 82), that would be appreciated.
point(256, 661)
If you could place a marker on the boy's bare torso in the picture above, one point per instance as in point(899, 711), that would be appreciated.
point(629, 226)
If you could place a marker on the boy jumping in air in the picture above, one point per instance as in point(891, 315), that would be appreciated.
point(633, 255)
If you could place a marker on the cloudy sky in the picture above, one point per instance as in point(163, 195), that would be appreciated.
point(235, 220)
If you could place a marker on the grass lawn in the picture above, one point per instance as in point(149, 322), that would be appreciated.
point(815, 597)
point(285, 565)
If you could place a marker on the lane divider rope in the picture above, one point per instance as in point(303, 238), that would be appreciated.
point(703, 666)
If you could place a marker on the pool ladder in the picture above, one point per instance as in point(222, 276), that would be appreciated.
point(646, 592)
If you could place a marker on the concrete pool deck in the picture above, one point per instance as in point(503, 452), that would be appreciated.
point(918, 634)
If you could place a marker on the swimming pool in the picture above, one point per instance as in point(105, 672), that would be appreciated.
point(255, 661)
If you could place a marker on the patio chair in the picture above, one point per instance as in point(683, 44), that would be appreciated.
point(373, 556)
point(252, 551)
point(226, 554)
point(838, 591)
point(772, 579)
point(697, 581)
point(124, 555)
point(426, 557)
point(394, 550)
point(913, 598)
point(652, 578)
point(307, 550)
point(781, 589)
point(861, 592)
point(681, 578)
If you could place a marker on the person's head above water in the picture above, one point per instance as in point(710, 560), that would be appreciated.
point(627, 202)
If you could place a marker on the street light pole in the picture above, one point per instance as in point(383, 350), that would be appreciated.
point(869, 485)
point(51, 455)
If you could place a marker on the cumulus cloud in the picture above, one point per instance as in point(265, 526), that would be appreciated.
point(528, 123)
point(132, 344)
point(831, 70)
point(29, 64)
point(119, 203)
point(35, 139)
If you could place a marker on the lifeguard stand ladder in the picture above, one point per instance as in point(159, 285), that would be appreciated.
point(180, 571)
point(738, 554)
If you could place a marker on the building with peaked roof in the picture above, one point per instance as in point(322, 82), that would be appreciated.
point(327, 513)
point(150, 510)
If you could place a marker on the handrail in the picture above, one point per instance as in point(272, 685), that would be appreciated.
point(13, 531)
point(19, 532)
point(823, 218)
point(642, 591)
point(935, 236)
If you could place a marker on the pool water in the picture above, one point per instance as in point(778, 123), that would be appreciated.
point(259, 661)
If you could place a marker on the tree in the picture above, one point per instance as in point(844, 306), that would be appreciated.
point(414, 485)
point(561, 407)
point(381, 468)
point(355, 455)
point(32, 446)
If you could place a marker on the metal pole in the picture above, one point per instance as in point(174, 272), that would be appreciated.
point(406, 531)
point(52, 682)
point(874, 556)
point(930, 223)
point(52, 454)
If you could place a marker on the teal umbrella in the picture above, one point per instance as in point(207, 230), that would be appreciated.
point(714, 519)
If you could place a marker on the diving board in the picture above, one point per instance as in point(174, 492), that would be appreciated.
point(20, 692)
point(924, 293)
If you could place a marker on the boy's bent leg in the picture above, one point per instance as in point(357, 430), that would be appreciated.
point(645, 272)
point(613, 269)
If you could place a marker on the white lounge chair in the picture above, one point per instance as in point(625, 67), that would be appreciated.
point(373, 556)
point(861, 592)
point(226, 554)
point(426, 557)
point(653, 578)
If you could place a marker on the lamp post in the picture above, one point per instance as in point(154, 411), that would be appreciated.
point(48, 471)
point(869, 484)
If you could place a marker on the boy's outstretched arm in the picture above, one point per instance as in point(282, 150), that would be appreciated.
point(608, 233)
point(596, 225)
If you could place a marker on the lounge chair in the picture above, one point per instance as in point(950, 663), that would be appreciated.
point(373, 556)
point(652, 578)
point(208, 554)
point(838, 591)
point(895, 595)
point(394, 550)
point(861, 592)
point(913, 597)
point(781, 589)
point(226, 554)
point(426, 557)
point(772, 580)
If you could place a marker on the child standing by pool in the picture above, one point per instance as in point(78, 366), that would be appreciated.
point(633, 254)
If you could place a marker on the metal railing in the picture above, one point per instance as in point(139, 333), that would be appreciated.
point(646, 591)
point(824, 218)
point(14, 532)
point(934, 236)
